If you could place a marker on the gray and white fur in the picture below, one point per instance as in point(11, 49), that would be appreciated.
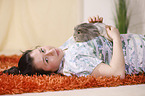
point(88, 31)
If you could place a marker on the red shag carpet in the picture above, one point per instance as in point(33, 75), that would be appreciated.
point(16, 84)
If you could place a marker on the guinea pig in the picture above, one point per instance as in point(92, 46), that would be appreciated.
point(88, 31)
point(85, 32)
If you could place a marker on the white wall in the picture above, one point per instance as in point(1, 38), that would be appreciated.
point(106, 9)
point(137, 21)
point(103, 8)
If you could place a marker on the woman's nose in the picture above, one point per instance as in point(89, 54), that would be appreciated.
point(49, 52)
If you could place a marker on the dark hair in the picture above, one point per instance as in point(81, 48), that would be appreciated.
point(26, 66)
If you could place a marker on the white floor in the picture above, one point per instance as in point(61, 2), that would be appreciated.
point(128, 90)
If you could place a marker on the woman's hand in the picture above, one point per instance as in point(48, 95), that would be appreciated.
point(95, 19)
point(112, 32)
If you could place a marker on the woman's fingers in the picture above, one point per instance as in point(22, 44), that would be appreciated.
point(101, 18)
point(90, 20)
point(95, 19)
point(112, 32)
point(108, 27)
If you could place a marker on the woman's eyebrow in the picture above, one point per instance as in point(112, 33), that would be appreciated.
point(39, 50)
point(37, 47)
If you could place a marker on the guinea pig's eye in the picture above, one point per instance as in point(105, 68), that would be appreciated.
point(78, 32)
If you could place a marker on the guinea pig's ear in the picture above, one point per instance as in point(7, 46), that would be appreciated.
point(75, 28)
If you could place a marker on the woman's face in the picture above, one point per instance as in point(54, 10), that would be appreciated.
point(47, 58)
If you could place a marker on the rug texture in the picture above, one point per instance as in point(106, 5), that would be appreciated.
point(17, 84)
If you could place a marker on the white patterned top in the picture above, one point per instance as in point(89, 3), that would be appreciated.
point(82, 57)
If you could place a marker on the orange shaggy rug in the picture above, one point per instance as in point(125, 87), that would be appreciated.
point(16, 84)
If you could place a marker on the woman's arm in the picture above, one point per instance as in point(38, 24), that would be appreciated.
point(117, 63)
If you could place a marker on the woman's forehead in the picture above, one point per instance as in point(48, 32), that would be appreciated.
point(35, 54)
point(37, 58)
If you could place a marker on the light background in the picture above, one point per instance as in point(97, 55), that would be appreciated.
point(25, 24)
point(106, 9)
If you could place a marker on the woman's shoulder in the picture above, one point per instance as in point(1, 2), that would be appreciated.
point(67, 43)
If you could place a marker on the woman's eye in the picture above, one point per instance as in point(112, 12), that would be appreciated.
point(46, 60)
point(42, 50)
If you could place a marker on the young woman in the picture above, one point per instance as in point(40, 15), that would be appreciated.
point(96, 57)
